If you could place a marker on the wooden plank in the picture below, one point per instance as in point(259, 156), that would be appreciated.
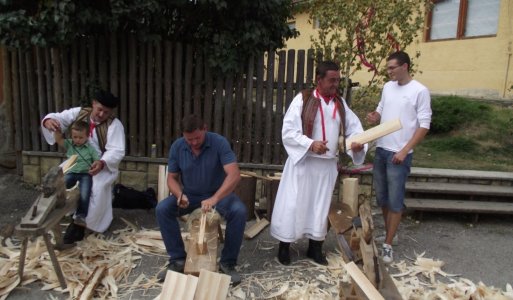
point(255, 229)
point(212, 286)
point(362, 281)
point(15, 88)
point(75, 92)
point(198, 75)
point(57, 78)
point(280, 109)
point(168, 98)
point(177, 99)
point(159, 112)
point(34, 116)
point(258, 137)
point(239, 108)
point(91, 283)
point(42, 206)
point(228, 108)
point(179, 286)
point(459, 189)
point(162, 188)
point(83, 66)
point(350, 191)
point(300, 70)
point(123, 81)
point(25, 115)
point(150, 100)
point(340, 217)
point(201, 235)
point(374, 133)
point(218, 106)
point(248, 117)
point(141, 110)
point(246, 190)
point(65, 62)
point(368, 252)
point(187, 98)
point(468, 206)
point(196, 261)
point(209, 90)
point(102, 61)
point(269, 89)
point(132, 95)
point(49, 87)
point(309, 68)
point(7, 97)
point(289, 94)
point(113, 64)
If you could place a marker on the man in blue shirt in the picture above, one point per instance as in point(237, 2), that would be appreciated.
point(207, 168)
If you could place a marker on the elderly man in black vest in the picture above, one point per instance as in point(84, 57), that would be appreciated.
point(107, 136)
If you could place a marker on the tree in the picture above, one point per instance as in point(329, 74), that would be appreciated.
point(361, 34)
point(229, 31)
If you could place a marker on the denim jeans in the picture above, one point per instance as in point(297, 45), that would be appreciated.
point(85, 183)
point(390, 179)
point(231, 208)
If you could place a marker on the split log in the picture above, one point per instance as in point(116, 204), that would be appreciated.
point(359, 278)
point(212, 286)
point(374, 133)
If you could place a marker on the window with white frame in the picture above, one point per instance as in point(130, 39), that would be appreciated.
point(457, 19)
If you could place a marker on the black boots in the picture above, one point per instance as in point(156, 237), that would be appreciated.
point(315, 252)
point(74, 233)
point(284, 253)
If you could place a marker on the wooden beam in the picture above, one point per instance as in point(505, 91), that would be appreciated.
point(91, 283)
point(212, 286)
point(370, 291)
point(374, 133)
point(37, 214)
point(256, 228)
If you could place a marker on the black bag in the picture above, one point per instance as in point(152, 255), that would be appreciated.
point(129, 198)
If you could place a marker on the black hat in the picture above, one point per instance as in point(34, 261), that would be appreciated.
point(106, 99)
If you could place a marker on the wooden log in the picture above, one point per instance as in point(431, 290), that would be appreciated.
point(179, 286)
point(367, 223)
point(196, 261)
point(162, 188)
point(368, 252)
point(255, 229)
point(362, 281)
point(91, 283)
point(374, 133)
point(350, 194)
point(271, 189)
point(212, 286)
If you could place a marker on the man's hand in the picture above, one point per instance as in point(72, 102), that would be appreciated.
point(356, 147)
point(319, 147)
point(183, 201)
point(96, 167)
point(373, 117)
point(52, 125)
point(208, 204)
point(399, 157)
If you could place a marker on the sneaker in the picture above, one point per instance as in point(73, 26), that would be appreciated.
point(381, 239)
point(230, 270)
point(387, 253)
point(175, 266)
point(80, 221)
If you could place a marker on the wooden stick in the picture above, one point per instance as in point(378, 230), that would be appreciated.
point(374, 133)
point(252, 174)
point(362, 281)
point(91, 283)
point(201, 235)
point(70, 163)
point(255, 229)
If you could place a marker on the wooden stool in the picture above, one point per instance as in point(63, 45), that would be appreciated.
point(51, 224)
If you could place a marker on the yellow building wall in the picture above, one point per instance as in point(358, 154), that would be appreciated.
point(474, 67)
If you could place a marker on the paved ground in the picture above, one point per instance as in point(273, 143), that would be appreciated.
point(480, 253)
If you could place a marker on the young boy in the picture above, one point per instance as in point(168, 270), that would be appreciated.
point(86, 155)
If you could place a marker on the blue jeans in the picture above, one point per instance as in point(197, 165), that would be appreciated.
point(231, 208)
point(390, 179)
point(85, 183)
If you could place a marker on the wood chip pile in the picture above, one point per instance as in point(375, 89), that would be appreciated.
point(106, 266)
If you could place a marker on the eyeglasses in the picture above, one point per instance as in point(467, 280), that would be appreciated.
point(391, 68)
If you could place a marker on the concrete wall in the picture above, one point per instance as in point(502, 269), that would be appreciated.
point(475, 67)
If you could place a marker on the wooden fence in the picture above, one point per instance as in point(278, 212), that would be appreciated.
point(158, 83)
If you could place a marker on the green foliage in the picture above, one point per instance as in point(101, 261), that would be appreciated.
point(229, 31)
point(458, 144)
point(350, 28)
point(451, 112)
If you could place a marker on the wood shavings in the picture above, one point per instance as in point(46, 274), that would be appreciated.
point(411, 283)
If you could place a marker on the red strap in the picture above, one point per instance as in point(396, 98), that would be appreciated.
point(91, 128)
point(322, 123)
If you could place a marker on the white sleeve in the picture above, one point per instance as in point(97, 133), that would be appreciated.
point(295, 142)
point(65, 118)
point(354, 126)
point(115, 147)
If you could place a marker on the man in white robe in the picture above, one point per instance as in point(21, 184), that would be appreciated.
point(309, 176)
point(108, 138)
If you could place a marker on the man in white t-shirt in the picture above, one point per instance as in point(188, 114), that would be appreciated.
point(410, 101)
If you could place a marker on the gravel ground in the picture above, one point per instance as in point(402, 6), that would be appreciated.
point(480, 252)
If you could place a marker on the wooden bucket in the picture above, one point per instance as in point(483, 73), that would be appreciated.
point(246, 190)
